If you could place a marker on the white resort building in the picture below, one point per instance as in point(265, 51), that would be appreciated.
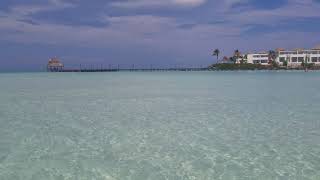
point(254, 58)
point(258, 58)
point(290, 58)
point(294, 58)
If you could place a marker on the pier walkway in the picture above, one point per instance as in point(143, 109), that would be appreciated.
point(129, 70)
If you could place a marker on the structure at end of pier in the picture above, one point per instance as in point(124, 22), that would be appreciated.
point(54, 65)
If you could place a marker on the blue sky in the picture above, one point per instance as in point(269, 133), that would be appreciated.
point(145, 32)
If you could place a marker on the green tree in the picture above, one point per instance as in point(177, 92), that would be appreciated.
point(216, 52)
point(236, 56)
point(272, 56)
point(305, 63)
point(242, 61)
point(274, 64)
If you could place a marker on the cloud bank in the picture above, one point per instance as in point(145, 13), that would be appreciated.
point(157, 3)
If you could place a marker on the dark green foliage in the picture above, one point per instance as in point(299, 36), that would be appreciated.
point(216, 52)
point(307, 65)
point(274, 64)
point(239, 67)
point(242, 61)
point(272, 56)
point(235, 67)
point(233, 59)
point(236, 55)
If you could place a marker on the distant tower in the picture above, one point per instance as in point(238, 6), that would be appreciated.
point(54, 65)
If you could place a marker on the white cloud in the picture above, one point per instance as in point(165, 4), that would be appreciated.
point(189, 2)
point(293, 10)
point(25, 10)
point(157, 3)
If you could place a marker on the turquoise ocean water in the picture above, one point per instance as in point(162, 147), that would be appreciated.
point(160, 125)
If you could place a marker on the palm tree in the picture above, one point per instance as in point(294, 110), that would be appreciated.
point(244, 58)
point(216, 52)
point(305, 63)
point(236, 56)
point(272, 56)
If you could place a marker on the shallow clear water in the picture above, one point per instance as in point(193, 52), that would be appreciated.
point(165, 125)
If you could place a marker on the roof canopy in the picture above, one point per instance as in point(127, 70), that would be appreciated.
point(54, 62)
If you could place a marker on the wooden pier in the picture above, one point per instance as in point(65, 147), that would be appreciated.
point(55, 65)
point(129, 70)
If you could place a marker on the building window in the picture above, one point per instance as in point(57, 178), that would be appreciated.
point(264, 61)
point(314, 59)
point(294, 59)
point(282, 59)
point(256, 61)
point(300, 59)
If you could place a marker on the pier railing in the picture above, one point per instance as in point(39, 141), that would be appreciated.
point(130, 69)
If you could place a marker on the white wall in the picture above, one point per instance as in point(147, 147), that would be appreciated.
point(258, 58)
point(289, 56)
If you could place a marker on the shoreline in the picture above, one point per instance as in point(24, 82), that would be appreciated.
point(213, 68)
point(236, 67)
